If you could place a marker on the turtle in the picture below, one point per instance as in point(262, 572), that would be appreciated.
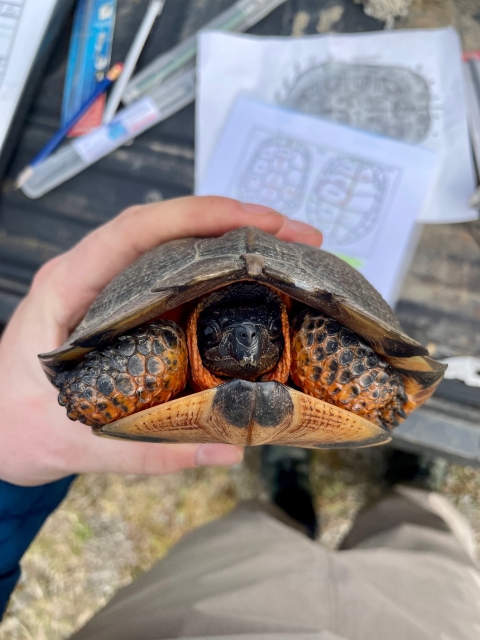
point(242, 339)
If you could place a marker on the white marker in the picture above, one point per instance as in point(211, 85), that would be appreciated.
point(154, 10)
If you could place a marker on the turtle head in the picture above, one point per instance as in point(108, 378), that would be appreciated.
point(240, 332)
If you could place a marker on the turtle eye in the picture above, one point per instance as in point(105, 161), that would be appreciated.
point(211, 333)
point(275, 328)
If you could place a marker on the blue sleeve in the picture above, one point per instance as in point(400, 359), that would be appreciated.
point(23, 510)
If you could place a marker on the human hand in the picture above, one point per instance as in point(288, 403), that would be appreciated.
point(38, 443)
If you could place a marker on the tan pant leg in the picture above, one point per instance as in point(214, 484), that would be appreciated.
point(415, 520)
point(246, 572)
point(410, 557)
point(251, 574)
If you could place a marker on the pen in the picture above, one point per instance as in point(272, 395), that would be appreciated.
point(76, 155)
point(53, 143)
point(154, 10)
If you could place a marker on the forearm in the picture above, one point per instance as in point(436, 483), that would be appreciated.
point(23, 510)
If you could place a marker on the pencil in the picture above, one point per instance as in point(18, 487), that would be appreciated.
point(53, 143)
point(154, 10)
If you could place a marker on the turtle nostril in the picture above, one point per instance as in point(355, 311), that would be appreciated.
point(246, 336)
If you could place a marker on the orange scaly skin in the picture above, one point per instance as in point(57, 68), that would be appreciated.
point(135, 372)
point(281, 372)
point(332, 363)
point(202, 378)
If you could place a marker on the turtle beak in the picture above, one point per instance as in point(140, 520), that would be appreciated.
point(245, 343)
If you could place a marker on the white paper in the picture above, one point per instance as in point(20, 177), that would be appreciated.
point(404, 84)
point(363, 191)
point(22, 26)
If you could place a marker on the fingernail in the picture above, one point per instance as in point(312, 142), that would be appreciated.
point(218, 454)
point(301, 227)
point(257, 209)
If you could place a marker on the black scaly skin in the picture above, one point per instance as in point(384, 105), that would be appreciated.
point(145, 367)
point(332, 363)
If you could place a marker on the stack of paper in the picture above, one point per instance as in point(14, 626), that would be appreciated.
point(404, 84)
point(361, 136)
point(364, 192)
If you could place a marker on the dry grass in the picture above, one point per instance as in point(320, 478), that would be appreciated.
point(111, 528)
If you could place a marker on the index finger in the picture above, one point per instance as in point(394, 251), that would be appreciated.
point(86, 269)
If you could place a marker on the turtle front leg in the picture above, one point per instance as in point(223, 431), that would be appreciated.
point(332, 363)
point(138, 370)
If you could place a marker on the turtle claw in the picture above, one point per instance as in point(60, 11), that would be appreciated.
point(249, 413)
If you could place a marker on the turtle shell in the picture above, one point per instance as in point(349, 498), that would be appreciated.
point(183, 270)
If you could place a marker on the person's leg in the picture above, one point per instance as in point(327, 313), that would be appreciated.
point(403, 573)
point(411, 551)
point(405, 519)
point(404, 576)
point(408, 518)
point(248, 573)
